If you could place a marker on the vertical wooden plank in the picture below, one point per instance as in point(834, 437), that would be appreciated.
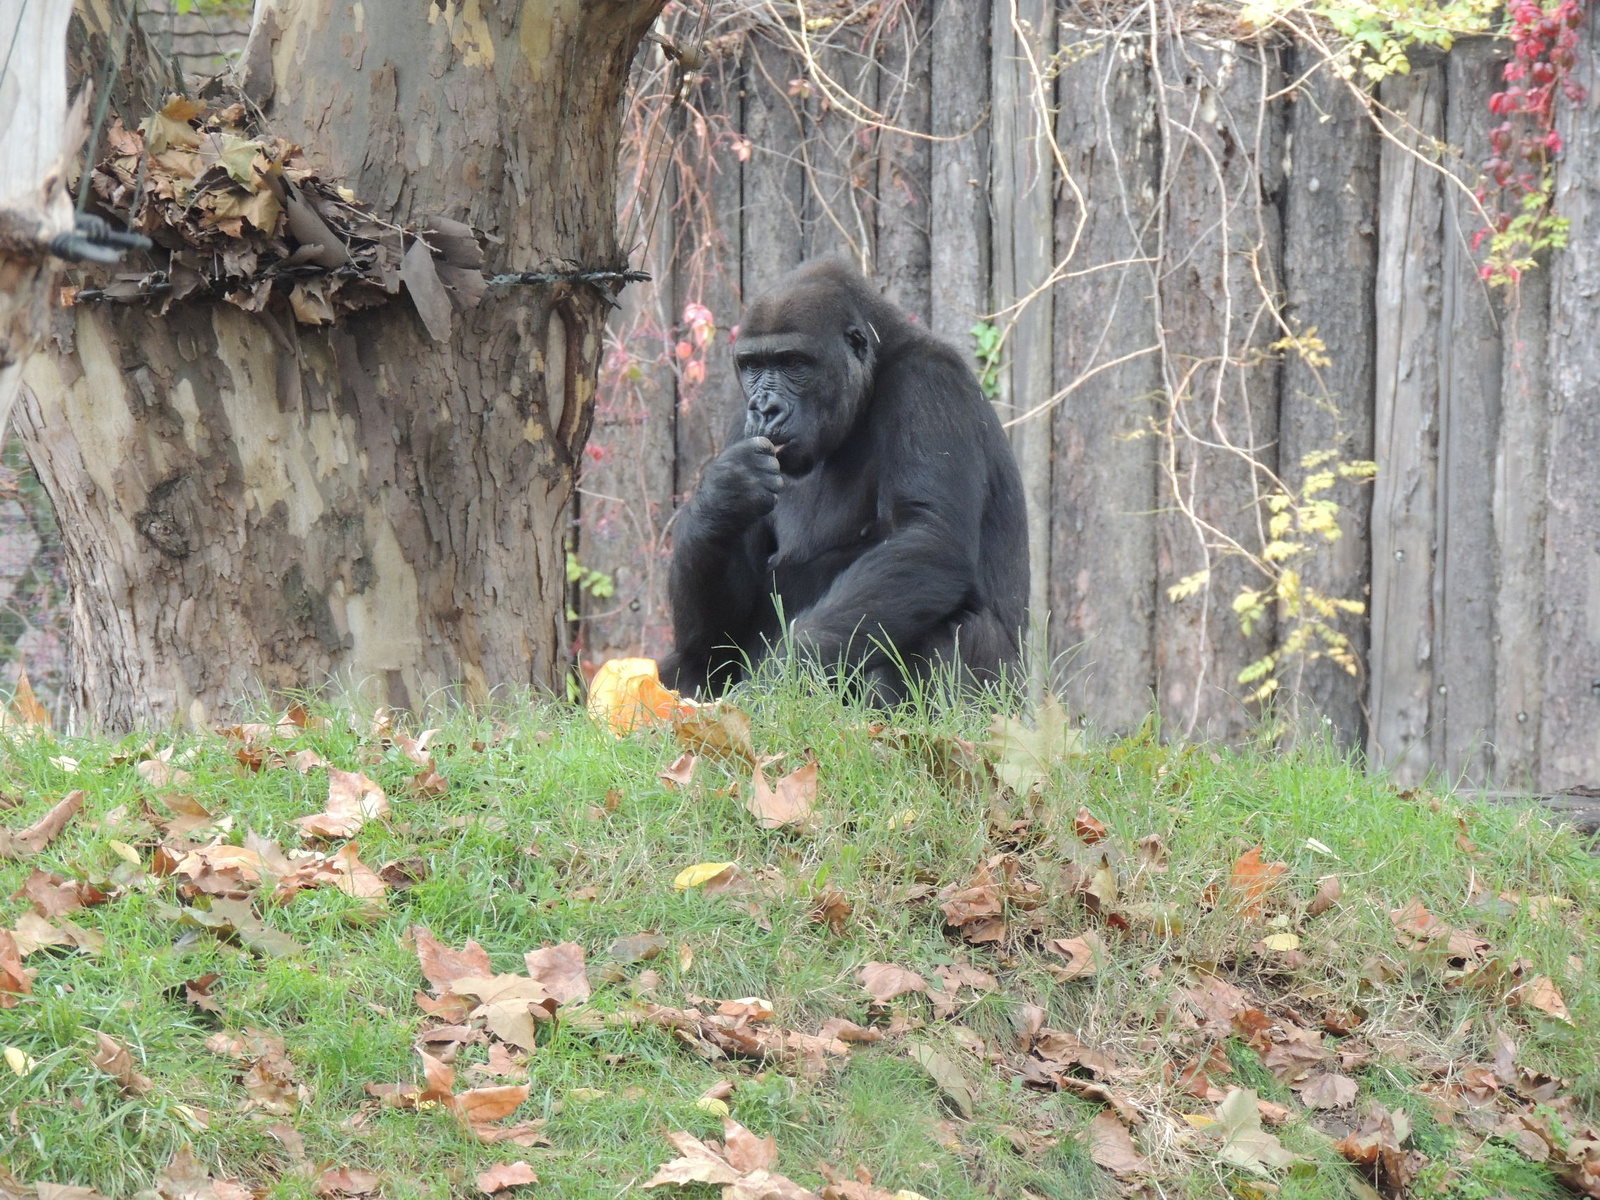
point(1330, 250)
point(905, 162)
point(1022, 173)
point(1465, 559)
point(1519, 521)
point(1570, 726)
point(959, 248)
point(1103, 554)
point(841, 176)
point(1223, 232)
point(707, 266)
point(1410, 236)
point(774, 179)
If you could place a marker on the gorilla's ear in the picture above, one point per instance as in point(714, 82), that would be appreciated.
point(857, 338)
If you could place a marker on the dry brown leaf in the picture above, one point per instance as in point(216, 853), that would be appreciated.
point(697, 1162)
point(1083, 954)
point(353, 877)
point(115, 1060)
point(1088, 829)
point(1112, 1147)
point(505, 1175)
point(1327, 1091)
point(186, 1178)
point(442, 966)
point(353, 800)
point(26, 706)
point(1377, 1145)
point(1153, 854)
point(1252, 880)
point(1417, 921)
point(884, 981)
point(346, 1181)
point(681, 773)
point(1329, 889)
point(1542, 993)
point(27, 842)
point(560, 970)
point(788, 805)
point(830, 908)
point(718, 731)
point(838, 1029)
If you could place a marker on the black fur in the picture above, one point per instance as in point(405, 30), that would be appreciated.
point(869, 495)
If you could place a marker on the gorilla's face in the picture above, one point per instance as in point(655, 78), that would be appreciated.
point(805, 373)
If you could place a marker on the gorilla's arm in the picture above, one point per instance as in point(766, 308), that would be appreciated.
point(719, 606)
point(931, 494)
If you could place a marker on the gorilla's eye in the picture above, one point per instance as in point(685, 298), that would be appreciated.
point(857, 340)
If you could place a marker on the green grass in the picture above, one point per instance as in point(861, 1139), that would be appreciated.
point(522, 832)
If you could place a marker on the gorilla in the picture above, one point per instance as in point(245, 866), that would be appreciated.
point(867, 511)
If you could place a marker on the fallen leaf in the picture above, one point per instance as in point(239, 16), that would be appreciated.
point(1417, 921)
point(786, 805)
point(884, 981)
point(696, 1163)
point(443, 966)
point(353, 800)
point(1377, 1145)
point(26, 706)
point(681, 773)
point(28, 842)
point(560, 970)
point(1089, 831)
point(346, 1181)
point(115, 1060)
point(1244, 1143)
point(505, 1175)
point(1542, 993)
point(830, 908)
point(1023, 758)
point(952, 1082)
point(1083, 955)
point(703, 873)
point(718, 731)
point(1280, 943)
point(1153, 854)
point(640, 947)
point(186, 1178)
point(1111, 1146)
point(1252, 879)
point(1327, 1091)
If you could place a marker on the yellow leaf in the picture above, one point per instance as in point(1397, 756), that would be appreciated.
point(124, 851)
point(19, 1062)
point(693, 877)
point(1281, 942)
point(710, 1104)
point(1200, 1120)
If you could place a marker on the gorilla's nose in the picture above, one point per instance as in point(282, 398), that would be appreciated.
point(768, 405)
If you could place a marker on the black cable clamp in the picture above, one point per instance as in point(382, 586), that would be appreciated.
point(93, 240)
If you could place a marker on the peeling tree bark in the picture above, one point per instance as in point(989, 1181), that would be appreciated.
point(250, 504)
point(34, 205)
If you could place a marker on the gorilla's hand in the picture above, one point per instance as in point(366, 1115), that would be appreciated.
point(740, 486)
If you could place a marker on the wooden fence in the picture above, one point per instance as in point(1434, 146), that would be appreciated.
point(1204, 213)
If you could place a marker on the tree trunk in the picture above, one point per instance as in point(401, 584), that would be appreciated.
point(248, 504)
point(34, 205)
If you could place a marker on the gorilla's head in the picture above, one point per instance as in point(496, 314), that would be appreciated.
point(806, 355)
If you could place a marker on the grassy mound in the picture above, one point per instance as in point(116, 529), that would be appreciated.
point(1136, 969)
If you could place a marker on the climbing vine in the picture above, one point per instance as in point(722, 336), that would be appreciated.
point(1518, 192)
